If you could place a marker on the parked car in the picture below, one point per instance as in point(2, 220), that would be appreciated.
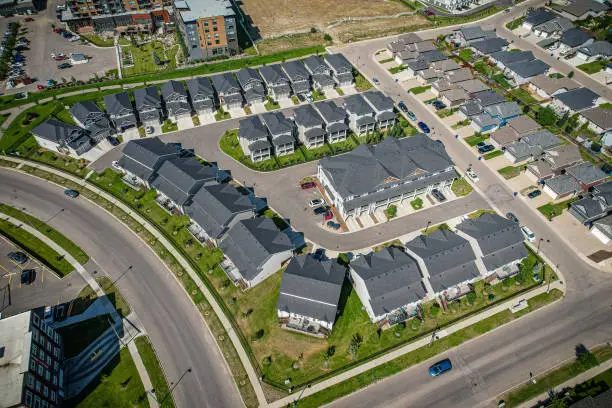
point(423, 127)
point(512, 217)
point(64, 65)
point(440, 368)
point(329, 215)
point(534, 194)
point(18, 257)
point(71, 193)
point(481, 144)
point(316, 202)
point(438, 195)
point(403, 107)
point(40, 87)
point(485, 149)
point(308, 185)
point(113, 141)
point(115, 165)
point(472, 175)
point(320, 210)
point(411, 115)
point(149, 130)
point(28, 19)
point(376, 81)
point(528, 233)
point(309, 98)
point(28, 276)
point(438, 105)
point(319, 254)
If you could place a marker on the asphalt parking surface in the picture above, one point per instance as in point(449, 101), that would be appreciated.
point(46, 290)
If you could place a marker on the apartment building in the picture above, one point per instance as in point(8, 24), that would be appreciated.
point(208, 27)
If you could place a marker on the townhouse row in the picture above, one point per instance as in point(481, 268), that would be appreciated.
point(313, 125)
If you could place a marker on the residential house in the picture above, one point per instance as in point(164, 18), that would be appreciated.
point(252, 85)
point(531, 146)
point(215, 208)
point(548, 87)
point(335, 119)
point(514, 129)
point(176, 100)
point(574, 101)
point(503, 58)
point(148, 105)
point(88, 115)
point(432, 56)
point(595, 50)
point(341, 69)
point(504, 111)
point(599, 120)
point(178, 179)
point(62, 137)
point(484, 123)
point(298, 76)
point(320, 72)
point(228, 90)
point(413, 67)
point(504, 136)
point(276, 81)
point(581, 9)
point(467, 35)
point(202, 95)
point(469, 109)
point(406, 56)
point(447, 262)
point(553, 28)
point(561, 187)
point(141, 159)
point(602, 229)
point(459, 75)
point(282, 132)
point(592, 207)
point(497, 241)
point(253, 250)
point(572, 39)
point(446, 65)
point(472, 86)
point(489, 46)
point(536, 18)
point(309, 295)
point(383, 108)
point(454, 97)
point(361, 114)
point(488, 97)
point(441, 85)
point(587, 174)
point(553, 162)
point(310, 126)
point(253, 138)
point(372, 177)
point(389, 285)
point(120, 111)
point(522, 72)
point(429, 75)
point(409, 38)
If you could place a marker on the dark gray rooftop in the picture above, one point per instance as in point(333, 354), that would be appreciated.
point(433, 56)
point(251, 128)
point(508, 57)
point(528, 69)
point(504, 110)
point(307, 116)
point(357, 105)
point(418, 65)
point(578, 99)
point(490, 45)
point(249, 244)
point(311, 288)
point(574, 37)
point(586, 173)
point(143, 156)
point(225, 83)
point(173, 89)
point(315, 64)
point(338, 63)
point(147, 98)
point(57, 131)
point(178, 178)
point(488, 97)
point(330, 111)
point(539, 16)
point(200, 88)
point(118, 103)
point(472, 33)
point(296, 71)
point(563, 184)
point(273, 74)
point(391, 277)
point(86, 110)
point(277, 123)
point(248, 75)
point(378, 100)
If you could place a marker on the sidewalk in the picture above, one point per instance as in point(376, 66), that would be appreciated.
point(253, 377)
point(413, 346)
point(587, 375)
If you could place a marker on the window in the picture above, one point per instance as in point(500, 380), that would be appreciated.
point(32, 365)
point(35, 335)
point(57, 338)
point(28, 398)
point(30, 380)
point(55, 365)
point(37, 386)
point(45, 404)
point(35, 319)
point(216, 35)
point(206, 30)
point(41, 354)
point(36, 402)
point(209, 43)
point(34, 349)
point(54, 380)
point(52, 395)
point(215, 28)
point(39, 371)
point(214, 21)
point(49, 346)
point(56, 352)
point(47, 376)
point(46, 391)
point(216, 41)
point(206, 23)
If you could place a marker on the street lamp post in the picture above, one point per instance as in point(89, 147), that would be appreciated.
point(428, 224)
point(300, 396)
point(172, 387)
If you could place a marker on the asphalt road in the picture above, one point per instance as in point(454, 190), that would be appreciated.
point(176, 329)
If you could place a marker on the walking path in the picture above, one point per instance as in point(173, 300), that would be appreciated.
point(415, 345)
point(253, 377)
point(587, 375)
point(128, 327)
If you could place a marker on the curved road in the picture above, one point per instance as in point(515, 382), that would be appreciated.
point(175, 327)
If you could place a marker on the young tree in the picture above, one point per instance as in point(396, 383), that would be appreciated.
point(546, 116)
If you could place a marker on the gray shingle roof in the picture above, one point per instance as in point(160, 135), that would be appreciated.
point(367, 168)
point(543, 138)
point(311, 288)
point(599, 116)
point(508, 57)
point(472, 85)
point(330, 112)
point(586, 173)
point(249, 76)
point(598, 48)
point(472, 33)
point(307, 116)
point(471, 108)
point(58, 132)
point(563, 184)
point(86, 111)
point(409, 38)
point(552, 85)
point(591, 207)
point(173, 89)
point(338, 63)
point(418, 65)
point(530, 69)
point(316, 65)
point(356, 104)
point(448, 257)
point(490, 45)
point(504, 110)
point(574, 37)
point(391, 277)
point(578, 7)
point(118, 103)
point(433, 56)
point(225, 83)
point(147, 98)
point(200, 89)
point(214, 206)
point(296, 71)
point(538, 16)
point(488, 97)
point(251, 128)
point(143, 157)
point(249, 244)
point(178, 178)
point(277, 123)
point(484, 120)
point(378, 100)
point(578, 99)
point(523, 124)
point(273, 75)
point(459, 75)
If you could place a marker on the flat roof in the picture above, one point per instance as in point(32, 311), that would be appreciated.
point(203, 8)
point(15, 340)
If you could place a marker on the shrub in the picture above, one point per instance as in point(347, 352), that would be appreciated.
point(585, 357)
point(571, 74)
point(327, 37)
point(392, 211)
point(435, 309)
point(471, 297)
point(355, 344)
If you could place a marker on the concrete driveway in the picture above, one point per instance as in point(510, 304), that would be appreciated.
point(185, 122)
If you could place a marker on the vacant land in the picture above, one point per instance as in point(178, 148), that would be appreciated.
point(290, 42)
point(143, 58)
point(361, 30)
point(277, 17)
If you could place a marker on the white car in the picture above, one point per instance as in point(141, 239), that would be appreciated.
point(316, 202)
point(472, 175)
point(115, 164)
point(149, 130)
point(528, 233)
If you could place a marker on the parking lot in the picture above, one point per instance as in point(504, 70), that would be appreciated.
point(43, 41)
point(46, 289)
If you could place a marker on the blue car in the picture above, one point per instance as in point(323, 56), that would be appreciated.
point(440, 368)
point(71, 193)
point(423, 127)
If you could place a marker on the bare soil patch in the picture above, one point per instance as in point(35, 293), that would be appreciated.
point(361, 30)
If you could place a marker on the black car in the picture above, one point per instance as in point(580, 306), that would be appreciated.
point(512, 217)
point(320, 210)
point(113, 141)
point(485, 149)
point(534, 194)
point(319, 254)
point(438, 105)
point(28, 276)
point(18, 257)
point(438, 195)
point(64, 65)
point(403, 107)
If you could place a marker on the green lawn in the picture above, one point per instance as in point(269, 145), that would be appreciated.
point(478, 213)
point(97, 40)
point(385, 61)
point(169, 126)
point(607, 105)
point(501, 80)
point(592, 67)
point(143, 58)
point(230, 146)
point(399, 68)
point(552, 210)
point(222, 115)
point(318, 95)
point(420, 89)
point(493, 154)
point(361, 83)
point(117, 386)
point(417, 204)
point(483, 68)
point(432, 228)
point(523, 96)
point(475, 139)
point(78, 336)
point(461, 187)
point(57, 237)
point(511, 171)
point(414, 357)
point(278, 221)
point(271, 104)
point(514, 24)
point(340, 92)
point(36, 248)
point(593, 387)
point(466, 54)
point(156, 374)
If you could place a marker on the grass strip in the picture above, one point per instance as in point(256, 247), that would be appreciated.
point(73, 249)
point(493, 154)
point(36, 248)
point(156, 374)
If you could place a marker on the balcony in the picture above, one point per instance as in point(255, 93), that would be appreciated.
point(304, 325)
point(231, 270)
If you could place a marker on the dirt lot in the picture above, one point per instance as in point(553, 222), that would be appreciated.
point(361, 30)
point(288, 42)
point(276, 17)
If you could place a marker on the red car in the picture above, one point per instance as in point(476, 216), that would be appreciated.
point(308, 185)
point(329, 215)
point(28, 20)
point(40, 87)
